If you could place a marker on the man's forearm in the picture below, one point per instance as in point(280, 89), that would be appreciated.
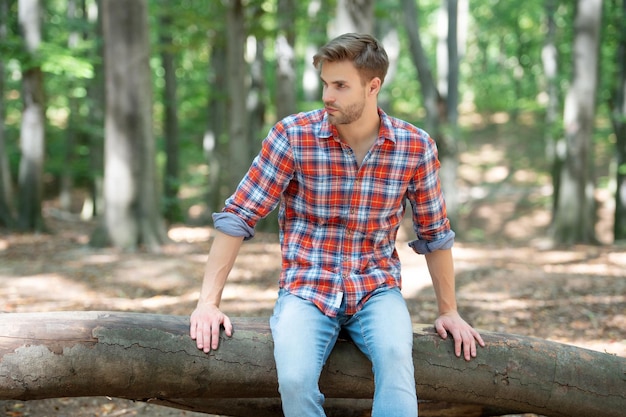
point(220, 261)
point(441, 268)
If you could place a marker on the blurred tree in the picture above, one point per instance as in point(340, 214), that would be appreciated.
point(550, 60)
point(32, 131)
point(94, 203)
point(313, 36)
point(286, 59)
point(215, 140)
point(132, 210)
point(6, 184)
point(575, 214)
point(618, 117)
point(239, 149)
point(73, 125)
point(256, 79)
point(448, 69)
point(353, 16)
point(431, 98)
point(441, 108)
point(171, 177)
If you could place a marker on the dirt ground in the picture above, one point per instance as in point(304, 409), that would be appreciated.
point(509, 278)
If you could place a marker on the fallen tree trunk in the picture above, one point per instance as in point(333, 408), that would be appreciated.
point(150, 357)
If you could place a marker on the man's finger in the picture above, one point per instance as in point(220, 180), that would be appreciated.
point(192, 329)
point(467, 348)
point(215, 335)
point(458, 343)
point(228, 326)
point(441, 330)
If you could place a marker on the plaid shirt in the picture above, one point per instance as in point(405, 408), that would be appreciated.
point(338, 221)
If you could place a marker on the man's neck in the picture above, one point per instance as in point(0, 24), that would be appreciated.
point(361, 132)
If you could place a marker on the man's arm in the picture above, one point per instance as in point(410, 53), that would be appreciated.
point(441, 268)
point(206, 320)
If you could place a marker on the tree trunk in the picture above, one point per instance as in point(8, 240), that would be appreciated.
point(431, 98)
point(310, 76)
point(387, 31)
point(286, 60)
point(447, 140)
point(214, 143)
point(132, 207)
point(72, 129)
point(150, 357)
point(353, 16)
point(32, 132)
point(6, 184)
point(171, 177)
point(550, 61)
point(94, 203)
point(237, 93)
point(574, 220)
point(618, 116)
point(255, 102)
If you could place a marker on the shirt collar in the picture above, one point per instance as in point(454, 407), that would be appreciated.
point(327, 130)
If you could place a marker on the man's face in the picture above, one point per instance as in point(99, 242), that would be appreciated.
point(344, 93)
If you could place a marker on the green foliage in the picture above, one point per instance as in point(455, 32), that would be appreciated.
point(59, 61)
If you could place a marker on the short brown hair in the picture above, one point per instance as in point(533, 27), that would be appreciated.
point(364, 51)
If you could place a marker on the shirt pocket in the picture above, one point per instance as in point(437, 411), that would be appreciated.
point(381, 196)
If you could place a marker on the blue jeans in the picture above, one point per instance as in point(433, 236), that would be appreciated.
point(304, 337)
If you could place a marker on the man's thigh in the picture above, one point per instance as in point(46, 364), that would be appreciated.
point(383, 325)
point(303, 335)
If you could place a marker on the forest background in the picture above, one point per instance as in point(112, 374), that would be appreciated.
point(126, 123)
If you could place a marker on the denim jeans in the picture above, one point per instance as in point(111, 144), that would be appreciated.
point(304, 337)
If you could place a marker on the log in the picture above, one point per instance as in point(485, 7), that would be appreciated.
point(150, 357)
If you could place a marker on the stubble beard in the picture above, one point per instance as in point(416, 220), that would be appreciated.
point(347, 115)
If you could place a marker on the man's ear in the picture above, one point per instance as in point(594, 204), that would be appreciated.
point(374, 85)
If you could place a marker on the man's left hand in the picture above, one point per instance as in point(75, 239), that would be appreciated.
point(464, 335)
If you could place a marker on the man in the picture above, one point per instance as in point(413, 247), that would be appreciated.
point(341, 175)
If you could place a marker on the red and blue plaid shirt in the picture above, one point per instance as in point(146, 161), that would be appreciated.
point(338, 220)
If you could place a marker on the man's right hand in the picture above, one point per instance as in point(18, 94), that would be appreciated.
point(205, 324)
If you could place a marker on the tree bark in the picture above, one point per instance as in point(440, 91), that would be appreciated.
point(132, 206)
point(353, 16)
point(286, 101)
point(32, 130)
point(215, 143)
point(574, 219)
point(238, 86)
point(430, 93)
point(447, 140)
point(172, 209)
point(550, 61)
point(6, 184)
point(94, 204)
point(618, 117)
point(150, 357)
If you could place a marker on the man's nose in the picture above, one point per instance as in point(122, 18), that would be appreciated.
point(327, 97)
